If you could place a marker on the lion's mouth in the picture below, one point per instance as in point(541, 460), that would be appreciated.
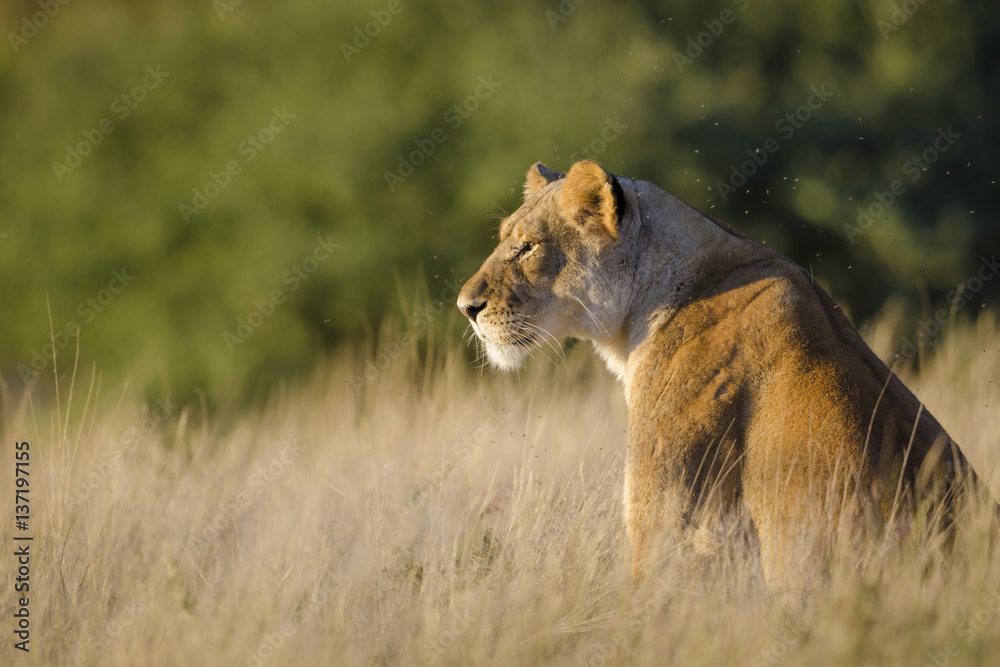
point(509, 346)
point(526, 339)
point(516, 338)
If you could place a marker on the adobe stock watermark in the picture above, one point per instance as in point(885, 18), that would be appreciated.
point(612, 130)
point(713, 29)
point(417, 324)
point(786, 126)
point(363, 35)
point(147, 424)
point(931, 327)
point(248, 149)
point(31, 25)
point(223, 7)
point(566, 9)
point(622, 641)
point(914, 168)
point(790, 635)
point(462, 450)
point(454, 116)
point(433, 651)
point(295, 276)
point(900, 14)
point(121, 107)
point(256, 484)
point(969, 629)
point(88, 309)
point(271, 642)
point(111, 631)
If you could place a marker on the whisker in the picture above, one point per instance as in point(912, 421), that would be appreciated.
point(593, 318)
point(547, 339)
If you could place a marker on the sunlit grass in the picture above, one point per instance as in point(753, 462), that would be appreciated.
point(440, 516)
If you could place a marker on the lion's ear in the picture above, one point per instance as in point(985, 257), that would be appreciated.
point(538, 177)
point(590, 195)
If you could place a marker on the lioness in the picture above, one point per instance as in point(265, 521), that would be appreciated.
point(748, 389)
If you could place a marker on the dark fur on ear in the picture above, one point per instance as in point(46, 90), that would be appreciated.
point(621, 204)
point(538, 177)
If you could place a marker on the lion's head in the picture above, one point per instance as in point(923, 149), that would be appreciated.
point(558, 268)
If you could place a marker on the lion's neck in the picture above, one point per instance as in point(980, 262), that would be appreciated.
point(673, 249)
point(614, 358)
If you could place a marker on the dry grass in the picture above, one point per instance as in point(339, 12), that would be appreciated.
point(441, 517)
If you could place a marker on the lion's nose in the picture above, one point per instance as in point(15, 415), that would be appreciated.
point(472, 308)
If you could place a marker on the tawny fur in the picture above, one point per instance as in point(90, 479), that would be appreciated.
point(748, 389)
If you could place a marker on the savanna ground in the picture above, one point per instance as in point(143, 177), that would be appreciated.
point(440, 516)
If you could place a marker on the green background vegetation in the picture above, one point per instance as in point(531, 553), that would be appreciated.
point(324, 174)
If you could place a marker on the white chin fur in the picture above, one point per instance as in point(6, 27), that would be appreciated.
point(506, 357)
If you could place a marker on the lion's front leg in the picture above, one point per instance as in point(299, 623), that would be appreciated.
point(684, 489)
point(655, 501)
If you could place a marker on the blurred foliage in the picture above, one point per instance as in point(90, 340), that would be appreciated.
point(564, 71)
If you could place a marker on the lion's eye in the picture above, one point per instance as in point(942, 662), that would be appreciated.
point(523, 250)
